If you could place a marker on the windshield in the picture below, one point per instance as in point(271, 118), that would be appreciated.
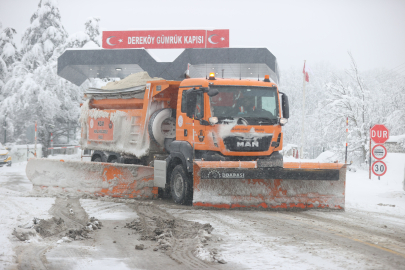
point(252, 103)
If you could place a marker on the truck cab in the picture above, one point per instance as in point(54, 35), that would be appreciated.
point(231, 119)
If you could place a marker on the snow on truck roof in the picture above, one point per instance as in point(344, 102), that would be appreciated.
point(77, 66)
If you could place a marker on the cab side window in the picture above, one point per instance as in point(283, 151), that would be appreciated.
point(183, 102)
point(199, 108)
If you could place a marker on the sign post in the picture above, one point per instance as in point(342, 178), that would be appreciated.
point(379, 134)
point(35, 138)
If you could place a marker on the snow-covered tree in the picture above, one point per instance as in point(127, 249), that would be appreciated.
point(315, 138)
point(34, 91)
point(90, 38)
point(93, 30)
point(44, 35)
point(348, 97)
point(8, 55)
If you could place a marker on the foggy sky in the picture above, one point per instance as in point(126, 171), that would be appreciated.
point(294, 31)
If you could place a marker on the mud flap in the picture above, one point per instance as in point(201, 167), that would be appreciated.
point(297, 186)
point(93, 178)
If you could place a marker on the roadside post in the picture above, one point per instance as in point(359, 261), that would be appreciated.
point(5, 129)
point(379, 134)
point(35, 138)
point(52, 143)
point(347, 132)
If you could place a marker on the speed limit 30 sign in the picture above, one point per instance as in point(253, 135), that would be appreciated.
point(379, 168)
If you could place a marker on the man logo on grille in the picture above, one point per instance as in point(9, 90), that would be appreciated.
point(248, 144)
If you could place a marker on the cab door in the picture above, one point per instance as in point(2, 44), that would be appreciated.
point(185, 125)
point(199, 128)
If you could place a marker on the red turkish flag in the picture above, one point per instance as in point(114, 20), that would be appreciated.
point(305, 71)
point(217, 38)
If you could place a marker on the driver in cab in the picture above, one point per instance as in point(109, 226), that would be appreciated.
point(246, 105)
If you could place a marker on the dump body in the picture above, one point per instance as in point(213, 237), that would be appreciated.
point(117, 121)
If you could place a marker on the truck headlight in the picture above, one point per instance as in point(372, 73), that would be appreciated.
point(283, 121)
point(213, 120)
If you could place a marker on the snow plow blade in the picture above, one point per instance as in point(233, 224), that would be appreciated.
point(93, 178)
point(297, 186)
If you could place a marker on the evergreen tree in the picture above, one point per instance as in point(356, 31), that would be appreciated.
point(88, 38)
point(8, 55)
point(34, 91)
point(44, 35)
point(93, 30)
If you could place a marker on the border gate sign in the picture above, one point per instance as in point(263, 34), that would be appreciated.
point(166, 39)
point(379, 134)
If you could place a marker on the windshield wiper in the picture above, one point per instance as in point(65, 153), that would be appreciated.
point(261, 120)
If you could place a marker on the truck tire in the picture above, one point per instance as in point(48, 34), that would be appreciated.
point(162, 125)
point(181, 186)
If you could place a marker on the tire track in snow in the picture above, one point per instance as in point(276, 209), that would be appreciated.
point(326, 238)
point(362, 229)
point(181, 251)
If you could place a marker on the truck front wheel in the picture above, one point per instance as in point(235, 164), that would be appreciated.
point(181, 186)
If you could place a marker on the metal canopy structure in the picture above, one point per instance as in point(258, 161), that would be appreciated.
point(77, 66)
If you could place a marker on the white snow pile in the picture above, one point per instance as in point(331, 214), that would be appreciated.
point(397, 139)
point(27, 235)
point(327, 157)
point(133, 80)
point(203, 253)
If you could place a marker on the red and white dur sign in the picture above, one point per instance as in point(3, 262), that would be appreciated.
point(379, 133)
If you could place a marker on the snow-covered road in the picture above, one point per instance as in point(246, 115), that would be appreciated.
point(370, 234)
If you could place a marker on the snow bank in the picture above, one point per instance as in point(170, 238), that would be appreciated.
point(386, 195)
point(327, 157)
point(397, 139)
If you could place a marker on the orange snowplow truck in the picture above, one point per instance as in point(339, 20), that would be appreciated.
point(209, 142)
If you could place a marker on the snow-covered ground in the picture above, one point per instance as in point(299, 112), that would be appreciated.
point(373, 223)
point(384, 196)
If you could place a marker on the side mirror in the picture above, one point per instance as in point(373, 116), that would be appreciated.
point(191, 101)
point(213, 92)
point(284, 106)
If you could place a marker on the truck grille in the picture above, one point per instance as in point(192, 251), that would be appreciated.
point(241, 144)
